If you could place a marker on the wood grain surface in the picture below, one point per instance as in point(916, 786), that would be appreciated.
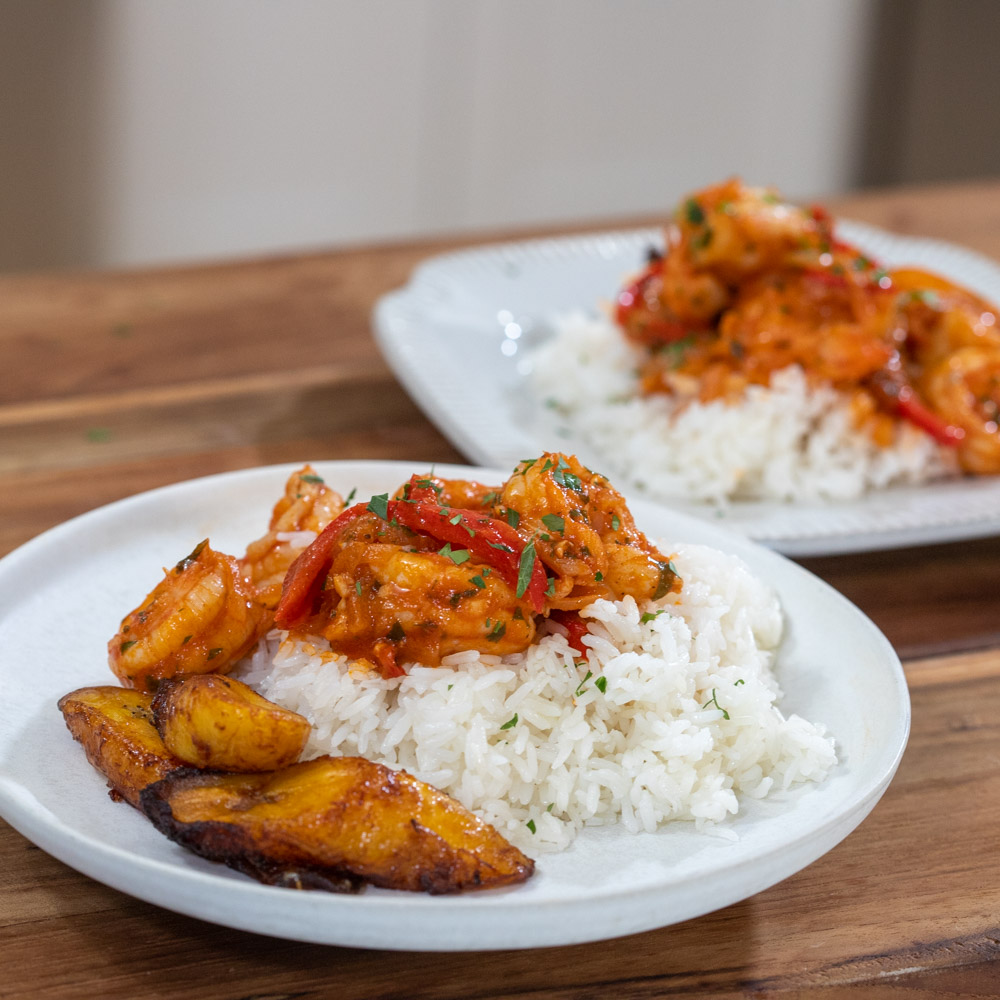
point(116, 383)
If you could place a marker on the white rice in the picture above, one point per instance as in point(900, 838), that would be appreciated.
point(672, 718)
point(787, 441)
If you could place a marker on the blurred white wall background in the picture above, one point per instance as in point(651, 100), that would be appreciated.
point(144, 131)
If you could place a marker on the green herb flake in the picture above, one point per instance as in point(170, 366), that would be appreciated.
point(615, 522)
point(739, 682)
point(510, 723)
point(351, 496)
point(127, 645)
point(582, 684)
point(479, 582)
point(531, 825)
point(497, 632)
point(550, 590)
point(525, 568)
point(513, 518)
point(357, 587)
point(396, 633)
point(379, 505)
point(715, 701)
point(693, 212)
point(601, 684)
point(213, 653)
point(599, 576)
point(457, 519)
point(649, 616)
point(565, 478)
point(554, 522)
point(191, 557)
point(457, 556)
point(310, 477)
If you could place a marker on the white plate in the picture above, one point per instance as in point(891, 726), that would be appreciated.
point(457, 334)
point(62, 597)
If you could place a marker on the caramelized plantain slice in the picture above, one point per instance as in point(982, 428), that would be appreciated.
point(115, 727)
point(335, 817)
point(208, 720)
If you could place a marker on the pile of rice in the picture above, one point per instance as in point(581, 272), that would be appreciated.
point(787, 441)
point(672, 715)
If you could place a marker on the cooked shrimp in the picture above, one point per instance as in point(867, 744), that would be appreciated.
point(394, 606)
point(963, 388)
point(307, 507)
point(734, 231)
point(201, 618)
point(585, 533)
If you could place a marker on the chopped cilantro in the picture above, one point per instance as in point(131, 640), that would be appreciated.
point(554, 522)
point(510, 723)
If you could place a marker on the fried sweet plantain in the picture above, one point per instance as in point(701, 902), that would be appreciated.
point(333, 817)
point(115, 727)
point(208, 720)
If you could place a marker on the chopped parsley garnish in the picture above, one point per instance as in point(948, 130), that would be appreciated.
point(213, 653)
point(582, 684)
point(694, 213)
point(127, 645)
point(648, 616)
point(457, 556)
point(599, 576)
point(615, 522)
point(310, 477)
point(379, 505)
point(396, 633)
point(510, 723)
point(601, 684)
point(496, 632)
point(350, 496)
point(479, 582)
point(531, 825)
point(554, 522)
point(191, 557)
point(513, 518)
point(525, 568)
point(565, 478)
point(357, 587)
point(551, 588)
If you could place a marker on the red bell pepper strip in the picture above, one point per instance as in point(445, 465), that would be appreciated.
point(575, 626)
point(305, 576)
point(901, 397)
point(491, 541)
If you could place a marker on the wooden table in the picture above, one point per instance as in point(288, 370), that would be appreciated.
point(116, 383)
